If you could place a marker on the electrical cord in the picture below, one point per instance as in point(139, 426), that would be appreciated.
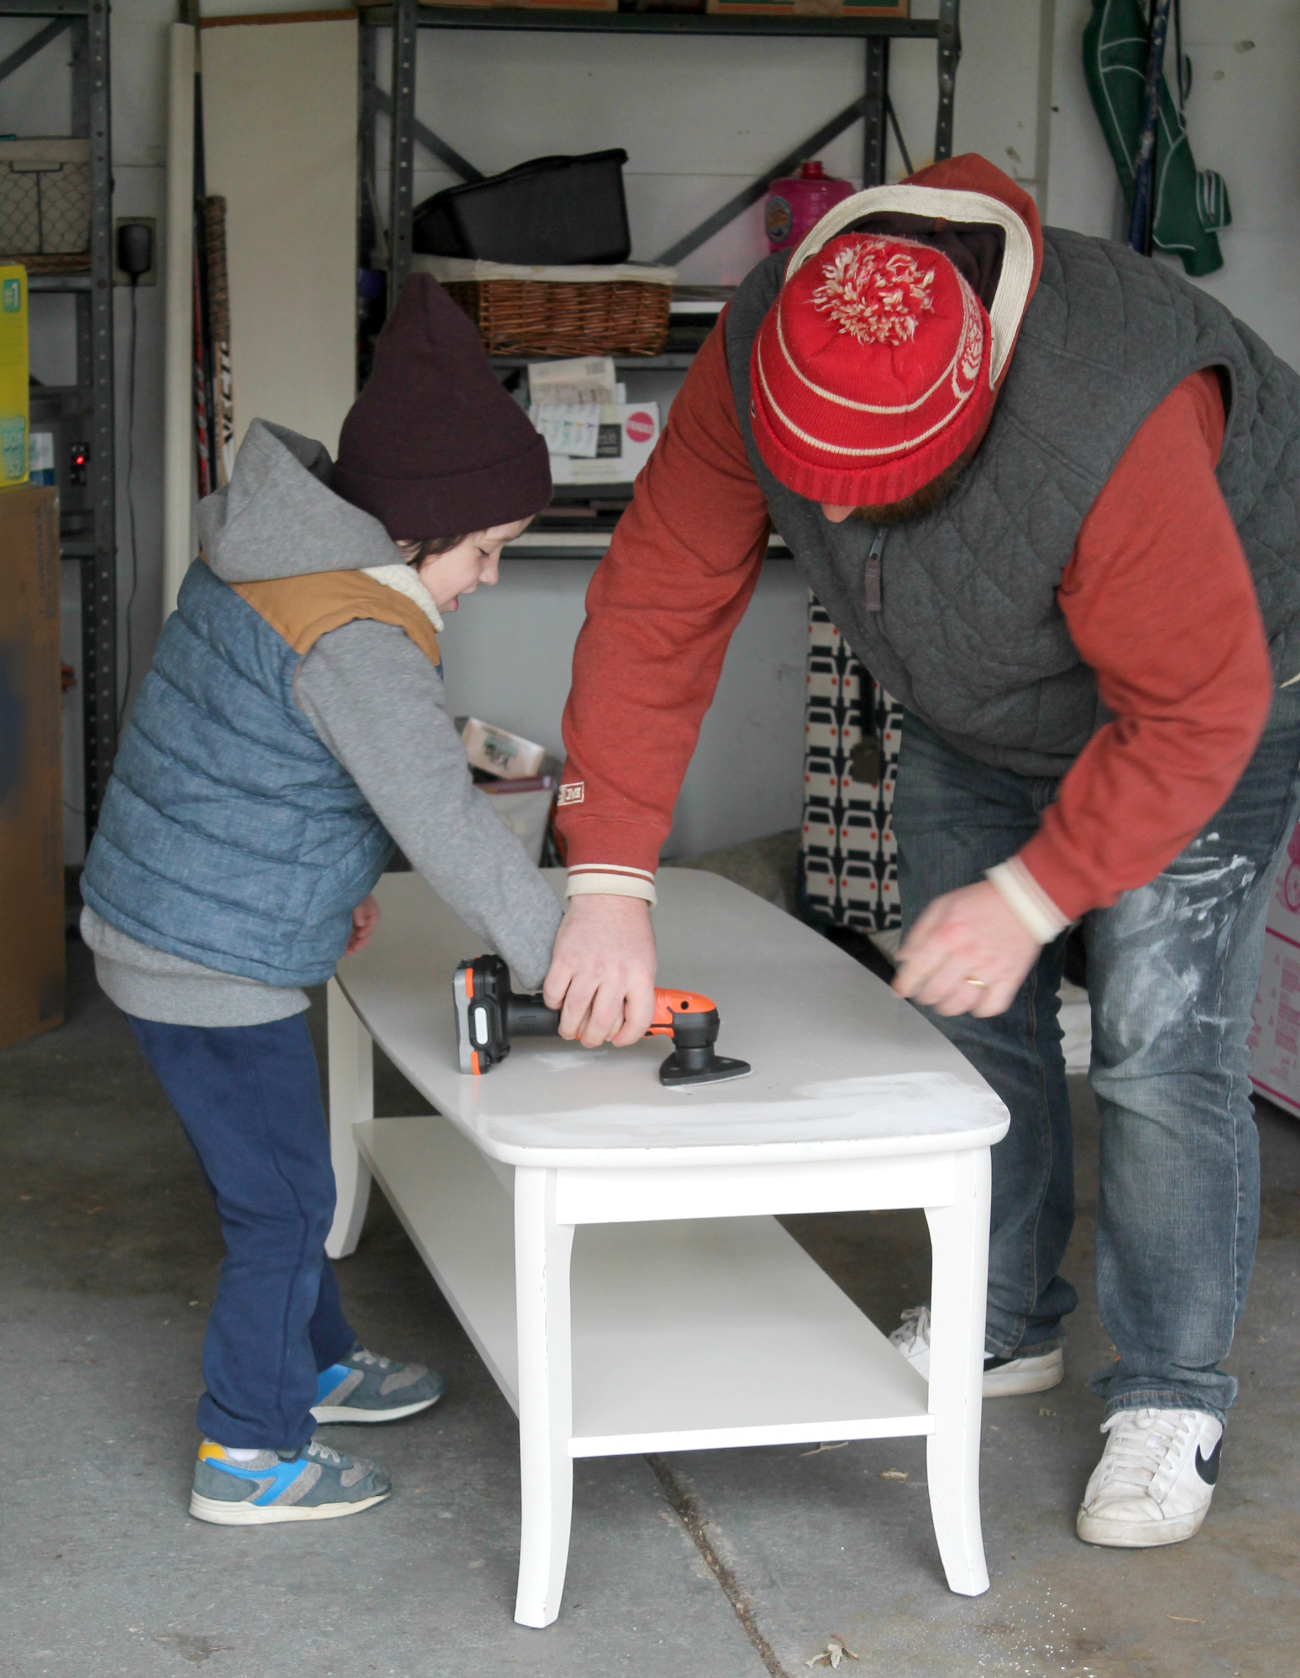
point(130, 501)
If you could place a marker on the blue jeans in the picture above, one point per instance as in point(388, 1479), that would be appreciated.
point(249, 1100)
point(1172, 973)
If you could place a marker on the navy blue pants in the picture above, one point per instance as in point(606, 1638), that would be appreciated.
point(249, 1099)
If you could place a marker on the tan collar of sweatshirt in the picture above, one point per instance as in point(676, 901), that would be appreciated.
point(302, 609)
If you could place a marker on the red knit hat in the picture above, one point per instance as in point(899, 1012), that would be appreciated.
point(870, 373)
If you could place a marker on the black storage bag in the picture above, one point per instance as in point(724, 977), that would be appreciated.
point(549, 210)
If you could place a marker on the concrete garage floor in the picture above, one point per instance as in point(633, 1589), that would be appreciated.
point(109, 1253)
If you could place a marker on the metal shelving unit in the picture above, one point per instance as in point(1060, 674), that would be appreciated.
point(405, 18)
point(84, 412)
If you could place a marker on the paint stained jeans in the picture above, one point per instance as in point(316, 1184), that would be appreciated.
point(1172, 974)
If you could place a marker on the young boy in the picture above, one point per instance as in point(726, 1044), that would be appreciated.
point(291, 729)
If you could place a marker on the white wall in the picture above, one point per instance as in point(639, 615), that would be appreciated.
point(279, 112)
point(507, 657)
point(1243, 119)
point(698, 119)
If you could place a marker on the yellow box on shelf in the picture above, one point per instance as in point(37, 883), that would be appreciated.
point(13, 375)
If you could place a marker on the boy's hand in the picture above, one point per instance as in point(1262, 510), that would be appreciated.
point(603, 971)
point(365, 918)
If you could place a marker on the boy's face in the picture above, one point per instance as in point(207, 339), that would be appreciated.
point(461, 569)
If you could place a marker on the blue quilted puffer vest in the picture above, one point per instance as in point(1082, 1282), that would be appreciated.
point(229, 834)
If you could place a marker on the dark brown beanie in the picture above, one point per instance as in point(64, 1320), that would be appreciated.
point(434, 446)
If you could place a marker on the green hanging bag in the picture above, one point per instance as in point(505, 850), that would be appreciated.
point(1190, 207)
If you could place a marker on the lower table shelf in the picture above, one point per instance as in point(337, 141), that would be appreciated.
point(687, 1335)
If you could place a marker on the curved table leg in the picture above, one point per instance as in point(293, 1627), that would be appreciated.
point(959, 1236)
point(352, 1101)
point(542, 1252)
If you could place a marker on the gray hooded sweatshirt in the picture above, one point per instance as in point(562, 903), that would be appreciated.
point(376, 702)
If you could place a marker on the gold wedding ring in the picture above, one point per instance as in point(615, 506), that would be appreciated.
point(979, 984)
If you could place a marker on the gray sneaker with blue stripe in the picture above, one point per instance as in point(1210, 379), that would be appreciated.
point(314, 1484)
point(366, 1388)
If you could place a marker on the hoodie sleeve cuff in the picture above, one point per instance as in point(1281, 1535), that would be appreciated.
point(596, 880)
point(1027, 900)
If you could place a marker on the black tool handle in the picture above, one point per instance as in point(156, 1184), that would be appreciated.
point(695, 1031)
point(528, 1016)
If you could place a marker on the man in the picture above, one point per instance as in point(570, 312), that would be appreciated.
point(1049, 493)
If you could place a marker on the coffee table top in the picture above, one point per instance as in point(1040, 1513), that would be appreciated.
point(843, 1068)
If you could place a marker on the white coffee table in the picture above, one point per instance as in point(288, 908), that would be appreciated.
point(682, 1317)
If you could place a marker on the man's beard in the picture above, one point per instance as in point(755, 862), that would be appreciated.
point(921, 501)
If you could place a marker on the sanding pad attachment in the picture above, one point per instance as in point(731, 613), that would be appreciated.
point(683, 1069)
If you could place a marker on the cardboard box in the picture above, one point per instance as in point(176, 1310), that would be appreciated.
point(31, 770)
point(13, 376)
point(497, 751)
point(1275, 1033)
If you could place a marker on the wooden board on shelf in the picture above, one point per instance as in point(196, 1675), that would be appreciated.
point(507, 5)
point(808, 8)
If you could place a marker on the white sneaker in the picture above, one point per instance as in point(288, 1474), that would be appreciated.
point(1003, 1377)
point(1155, 1479)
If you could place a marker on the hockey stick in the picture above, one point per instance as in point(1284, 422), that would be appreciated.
point(205, 427)
point(223, 441)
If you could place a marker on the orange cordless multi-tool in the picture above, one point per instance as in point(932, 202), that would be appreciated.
point(490, 1015)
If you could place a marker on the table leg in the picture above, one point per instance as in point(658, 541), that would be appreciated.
point(959, 1236)
point(352, 1101)
point(542, 1252)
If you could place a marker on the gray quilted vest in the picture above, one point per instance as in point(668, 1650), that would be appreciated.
point(968, 634)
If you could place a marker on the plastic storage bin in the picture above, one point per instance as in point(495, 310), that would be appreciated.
point(548, 210)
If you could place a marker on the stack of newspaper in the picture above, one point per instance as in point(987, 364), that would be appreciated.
point(593, 434)
point(565, 399)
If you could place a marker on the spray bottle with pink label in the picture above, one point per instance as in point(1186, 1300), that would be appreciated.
point(795, 206)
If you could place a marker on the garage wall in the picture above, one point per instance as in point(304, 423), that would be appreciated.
point(697, 121)
point(699, 118)
point(1243, 119)
point(280, 142)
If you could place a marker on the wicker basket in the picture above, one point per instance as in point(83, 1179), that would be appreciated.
point(76, 262)
point(549, 317)
point(45, 204)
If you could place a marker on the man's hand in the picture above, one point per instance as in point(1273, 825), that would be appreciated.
point(966, 936)
point(365, 918)
point(603, 971)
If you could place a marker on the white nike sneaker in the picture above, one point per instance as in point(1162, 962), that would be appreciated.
point(1155, 1479)
point(1003, 1377)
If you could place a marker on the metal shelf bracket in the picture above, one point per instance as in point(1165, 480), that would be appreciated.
point(96, 547)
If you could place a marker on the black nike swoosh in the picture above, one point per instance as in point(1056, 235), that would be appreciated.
point(1208, 1467)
